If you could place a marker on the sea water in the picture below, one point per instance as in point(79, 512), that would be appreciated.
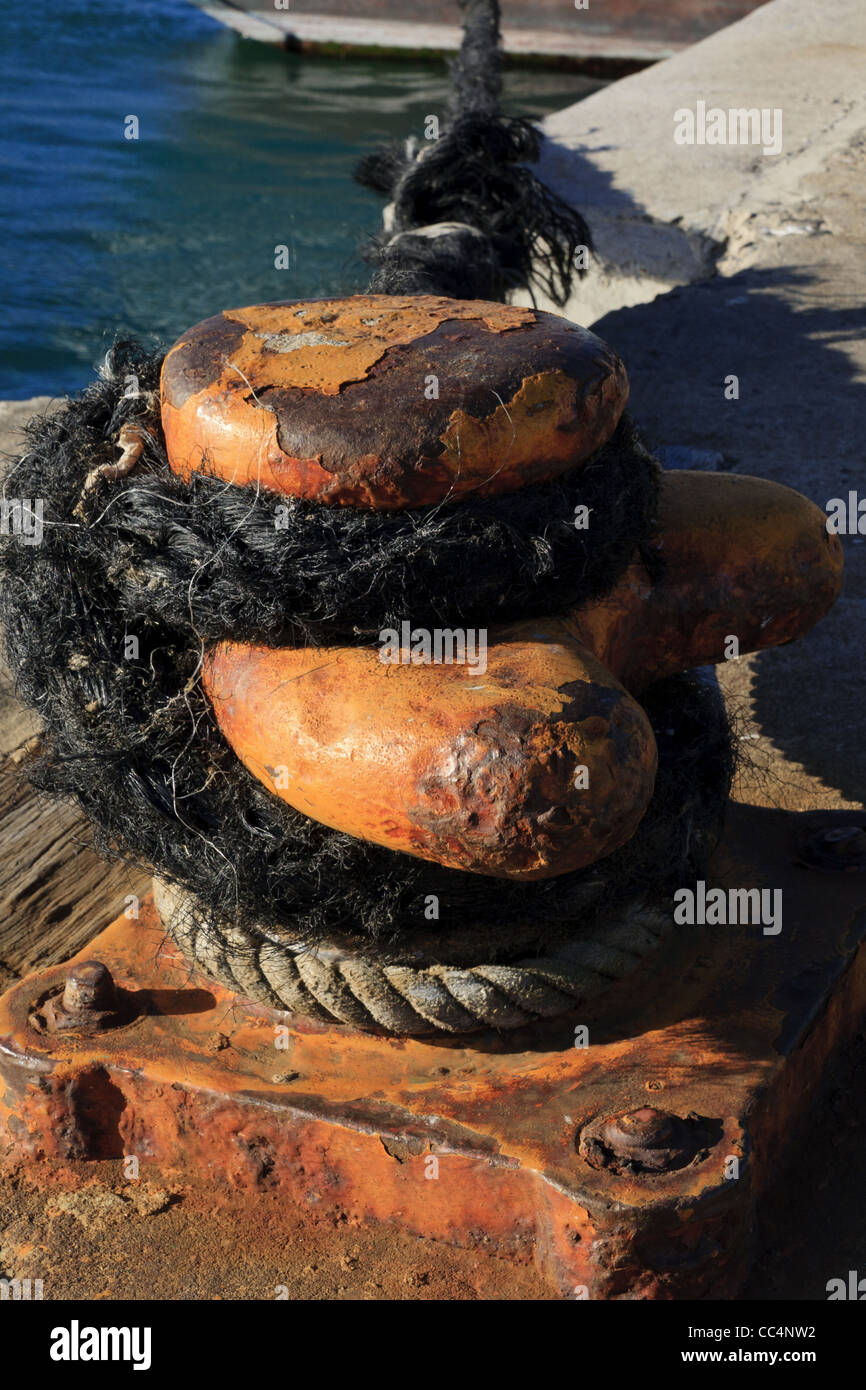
point(241, 149)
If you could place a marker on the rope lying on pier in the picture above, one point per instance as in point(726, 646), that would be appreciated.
point(468, 217)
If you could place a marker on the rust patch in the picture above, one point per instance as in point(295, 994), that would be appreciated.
point(501, 1116)
point(322, 345)
point(649, 1141)
point(198, 359)
point(741, 556)
point(503, 799)
point(474, 771)
point(522, 436)
point(387, 402)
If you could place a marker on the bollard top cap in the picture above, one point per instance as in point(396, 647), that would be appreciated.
point(388, 401)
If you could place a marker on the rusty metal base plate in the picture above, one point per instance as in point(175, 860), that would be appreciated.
point(514, 1142)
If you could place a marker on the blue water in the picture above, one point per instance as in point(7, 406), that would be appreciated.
point(241, 148)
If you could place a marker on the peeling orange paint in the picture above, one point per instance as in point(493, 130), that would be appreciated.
point(533, 427)
point(322, 345)
point(387, 402)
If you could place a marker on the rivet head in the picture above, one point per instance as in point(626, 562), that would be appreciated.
point(647, 1140)
point(839, 848)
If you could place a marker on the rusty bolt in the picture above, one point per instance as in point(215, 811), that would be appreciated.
point(841, 848)
point(90, 1002)
point(645, 1141)
point(89, 986)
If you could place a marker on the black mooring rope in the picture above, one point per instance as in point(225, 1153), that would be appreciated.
point(468, 217)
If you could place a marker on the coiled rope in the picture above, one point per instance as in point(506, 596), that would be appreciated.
point(369, 992)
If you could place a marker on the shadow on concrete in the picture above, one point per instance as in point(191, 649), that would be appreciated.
point(800, 419)
point(625, 235)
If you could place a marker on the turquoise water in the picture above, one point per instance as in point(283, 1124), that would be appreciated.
point(241, 148)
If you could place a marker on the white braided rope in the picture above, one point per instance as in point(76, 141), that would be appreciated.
point(330, 983)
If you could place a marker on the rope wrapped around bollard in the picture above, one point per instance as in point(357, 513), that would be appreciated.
point(375, 992)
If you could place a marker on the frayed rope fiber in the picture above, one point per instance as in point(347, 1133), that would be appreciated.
point(509, 230)
point(473, 177)
point(175, 564)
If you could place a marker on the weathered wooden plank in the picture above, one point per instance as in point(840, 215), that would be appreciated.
point(17, 724)
point(55, 892)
